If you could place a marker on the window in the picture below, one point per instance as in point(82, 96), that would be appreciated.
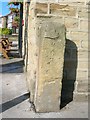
point(10, 18)
point(10, 25)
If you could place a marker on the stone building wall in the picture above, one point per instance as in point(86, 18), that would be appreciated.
point(74, 15)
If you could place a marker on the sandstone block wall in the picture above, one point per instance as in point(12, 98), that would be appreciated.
point(74, 15)
point(25, 33)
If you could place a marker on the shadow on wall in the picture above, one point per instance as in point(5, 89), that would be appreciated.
point(69, 73)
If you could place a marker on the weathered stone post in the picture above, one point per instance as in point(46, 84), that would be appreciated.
point(51, 44)
point(46, 44)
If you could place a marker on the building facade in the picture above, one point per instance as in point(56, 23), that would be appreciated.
point(3, 22)
point(8, 22)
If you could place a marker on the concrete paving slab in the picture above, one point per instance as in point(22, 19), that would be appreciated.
point(23, 111)
point(14, 65)
point(13, 85)
point(16, 104)
point(4, 61)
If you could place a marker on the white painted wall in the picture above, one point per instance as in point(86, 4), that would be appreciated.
point(0, 22)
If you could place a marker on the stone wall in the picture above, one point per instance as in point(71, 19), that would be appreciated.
point(25, 33)
point(74, 15)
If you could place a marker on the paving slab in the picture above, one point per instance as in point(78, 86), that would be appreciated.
point(16, 104)
point(4, 61)
point(14, 65)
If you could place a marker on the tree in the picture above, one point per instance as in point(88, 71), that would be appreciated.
point(5, 31)
point(16, 11)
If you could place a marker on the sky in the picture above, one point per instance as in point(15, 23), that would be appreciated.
point(4, 8)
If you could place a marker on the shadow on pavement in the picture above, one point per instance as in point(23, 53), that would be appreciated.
point(7, 105)
point(14, 65)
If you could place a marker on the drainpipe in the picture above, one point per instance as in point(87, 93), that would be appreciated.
point(20, 30)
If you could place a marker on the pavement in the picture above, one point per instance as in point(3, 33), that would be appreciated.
point(14, 100)
point(13, 65)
